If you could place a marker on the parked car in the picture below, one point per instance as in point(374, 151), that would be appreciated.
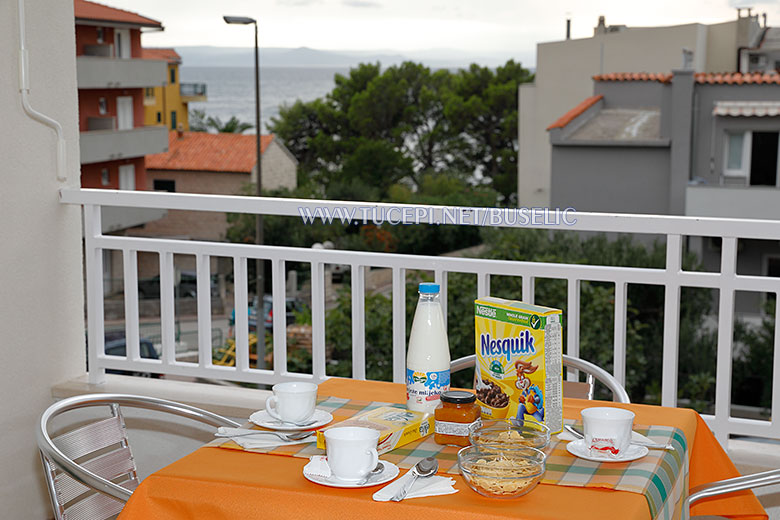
point(116, 345)
point(149, 288)
point(292, 305)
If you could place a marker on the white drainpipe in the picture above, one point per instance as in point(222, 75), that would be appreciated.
point(24, 89)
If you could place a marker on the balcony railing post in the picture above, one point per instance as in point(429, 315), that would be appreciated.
point(358, 322)
point(671, 320)
point(399, 325)
point(94, 263)
point(728, 270)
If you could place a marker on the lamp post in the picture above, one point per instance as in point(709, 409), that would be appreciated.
point(260, 288)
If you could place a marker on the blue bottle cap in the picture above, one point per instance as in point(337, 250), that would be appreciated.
point(429, 288)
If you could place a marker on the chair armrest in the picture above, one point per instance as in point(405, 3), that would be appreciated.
point(765, 478)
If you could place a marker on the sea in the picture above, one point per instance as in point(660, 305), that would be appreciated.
point(231, 90)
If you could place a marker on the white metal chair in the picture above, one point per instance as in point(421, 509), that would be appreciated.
point(570, 388)
point(90, 471)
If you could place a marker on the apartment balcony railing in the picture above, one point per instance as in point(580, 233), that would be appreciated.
point(193, 92)
point(108, 72)
point(108, 145)
point(672, 277)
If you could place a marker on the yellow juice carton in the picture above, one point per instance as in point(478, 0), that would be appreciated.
point(519, 365)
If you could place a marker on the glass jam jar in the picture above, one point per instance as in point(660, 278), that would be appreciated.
point(456, 417)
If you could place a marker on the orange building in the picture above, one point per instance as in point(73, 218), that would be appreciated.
point(111, 77)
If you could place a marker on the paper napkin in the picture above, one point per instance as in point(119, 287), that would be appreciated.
point(423, 487)
point(263, 440)
point(318, 465)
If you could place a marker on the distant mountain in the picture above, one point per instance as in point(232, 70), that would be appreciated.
point(278, 57)
point(203, 56)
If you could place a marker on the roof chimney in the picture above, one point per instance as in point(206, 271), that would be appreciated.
point(687, 59)
point(180, 130)
point(601, 28)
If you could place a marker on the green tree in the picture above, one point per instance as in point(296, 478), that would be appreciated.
point(484, 110)
point(231, 126)
point(417, 121)
point(198, 121)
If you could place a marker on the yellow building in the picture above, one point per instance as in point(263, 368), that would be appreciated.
point(167, 105)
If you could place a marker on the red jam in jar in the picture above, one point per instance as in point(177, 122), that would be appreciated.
point(457, 415)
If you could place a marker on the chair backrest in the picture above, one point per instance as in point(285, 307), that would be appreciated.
point(90, 470)
point(570, 388)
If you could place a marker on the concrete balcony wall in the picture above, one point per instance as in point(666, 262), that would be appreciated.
point(731, 201)
point(102, 72)
point(41, 306)
point(108, 145)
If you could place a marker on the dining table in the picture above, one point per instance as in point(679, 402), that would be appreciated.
point(221, 484)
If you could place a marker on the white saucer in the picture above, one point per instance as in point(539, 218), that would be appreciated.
point(389, 472)
point(263, 419)
point(578, 449)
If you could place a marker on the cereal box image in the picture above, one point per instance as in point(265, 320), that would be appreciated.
point(519, 361)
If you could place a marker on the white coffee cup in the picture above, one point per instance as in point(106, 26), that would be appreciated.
point(351, 451)
point(607, 430)
point(292, 402)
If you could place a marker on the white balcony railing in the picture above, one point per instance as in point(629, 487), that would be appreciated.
point(672, 278)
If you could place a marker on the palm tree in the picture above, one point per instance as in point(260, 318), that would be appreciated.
point(232, 126)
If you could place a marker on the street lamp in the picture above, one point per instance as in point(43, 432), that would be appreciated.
point(260, 288)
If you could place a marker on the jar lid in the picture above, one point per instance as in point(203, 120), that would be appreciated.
point(458, 397)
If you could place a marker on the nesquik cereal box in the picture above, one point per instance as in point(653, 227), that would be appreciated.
point(519, 361)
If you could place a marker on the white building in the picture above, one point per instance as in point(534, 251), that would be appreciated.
point(564, 70)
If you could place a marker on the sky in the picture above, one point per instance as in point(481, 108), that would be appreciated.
point(504, 27)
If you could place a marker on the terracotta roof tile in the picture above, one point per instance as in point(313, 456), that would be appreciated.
point(569, 116)
point(634, 76)
point(201, 151)
point(170, 55)
point(736, 78)
point(93, 11)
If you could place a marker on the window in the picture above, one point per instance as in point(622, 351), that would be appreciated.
point(100, 35)
point(102, 106)
point(752, 156)
point(105, 177)
point(737, 148)
point(164, 185)
point(173, 76)
point(159, 117)
point(173, 120)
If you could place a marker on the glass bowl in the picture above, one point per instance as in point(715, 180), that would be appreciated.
point(501, 474)
point(509, 434)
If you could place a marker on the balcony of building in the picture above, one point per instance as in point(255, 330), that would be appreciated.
point(192, 92)
point(105, 144)
point(749, 202)
point(104, 71)
point(55, 236)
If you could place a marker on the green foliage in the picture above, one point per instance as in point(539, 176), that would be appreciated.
point(198, 121)
point(379, 127)
point(754, 360)
point(231, 126)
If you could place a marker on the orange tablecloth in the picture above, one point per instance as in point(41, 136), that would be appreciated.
point(222, 484)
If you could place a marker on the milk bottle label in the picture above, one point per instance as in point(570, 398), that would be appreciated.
point(424, 388)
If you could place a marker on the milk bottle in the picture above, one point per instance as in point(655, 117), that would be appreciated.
point(428, 358)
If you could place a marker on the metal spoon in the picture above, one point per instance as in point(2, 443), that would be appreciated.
point(655, 446)
point(376, 471)
point(425, 468)
point(243, 432)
